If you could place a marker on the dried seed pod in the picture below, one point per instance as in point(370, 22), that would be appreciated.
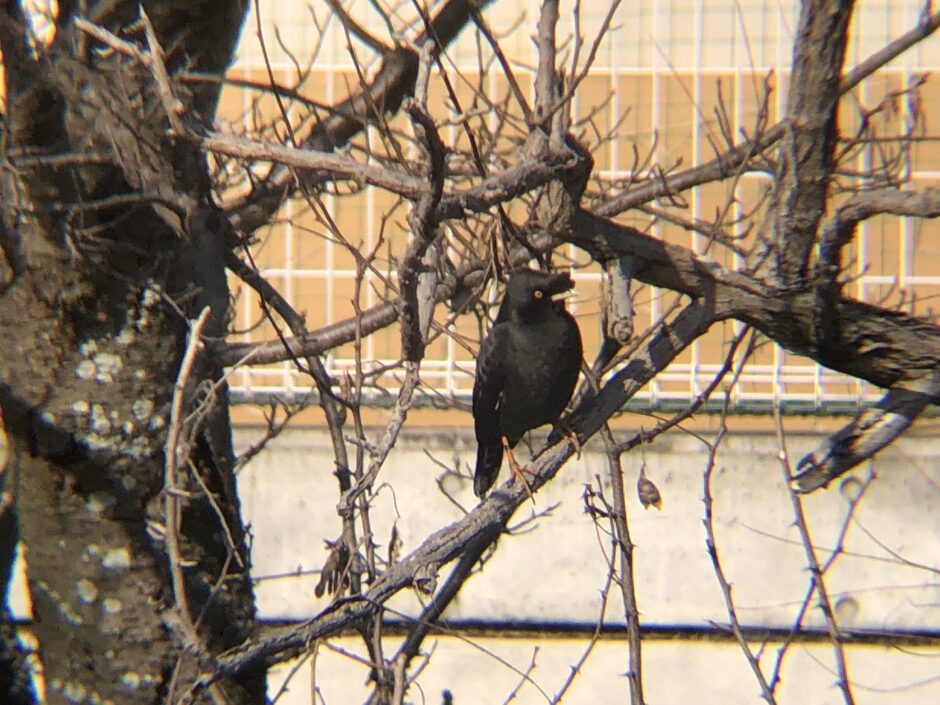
point(647, 491)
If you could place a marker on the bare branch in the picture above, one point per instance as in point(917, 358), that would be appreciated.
point(546, 78)
point(644, 436)
point(712, 548)
point(867, 342)
point(437, 550)
point(314, 343)
point(416, 315)
point(602, 610)
point(177, 454)
point(838, 230)
point(805, 157)
point(617, 312)
point(392, 83)
point(674, 336)
point(825, 604)
point(870, 431)
point(726, 164)
point(425, 623)
point(357, 30)
point(521, 177)
point(335, 166)
point(450, 542)
point(575, 82)
point(838, 550)
point(624, 548)
point(400, 412)
point(503, 62)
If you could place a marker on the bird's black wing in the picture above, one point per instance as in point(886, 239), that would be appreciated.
point(487, 390)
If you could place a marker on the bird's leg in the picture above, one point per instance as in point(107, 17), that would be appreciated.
point(516, 469)
point(570, 436)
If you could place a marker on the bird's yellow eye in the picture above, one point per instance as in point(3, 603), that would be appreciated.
point(538, 294)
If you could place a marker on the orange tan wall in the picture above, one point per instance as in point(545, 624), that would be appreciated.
point(895, 262)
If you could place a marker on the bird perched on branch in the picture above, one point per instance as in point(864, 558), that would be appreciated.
point(526, 370)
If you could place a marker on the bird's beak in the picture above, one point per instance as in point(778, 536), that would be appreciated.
point(559, 284)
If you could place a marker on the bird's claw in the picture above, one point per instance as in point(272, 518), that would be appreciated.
point(517, 470)
point(572, 437)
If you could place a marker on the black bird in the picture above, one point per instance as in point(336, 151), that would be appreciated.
point(526, 371)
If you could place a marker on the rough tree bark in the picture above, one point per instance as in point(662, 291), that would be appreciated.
point(112, 243)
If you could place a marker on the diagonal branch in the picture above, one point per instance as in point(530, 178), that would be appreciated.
point(479, 525)
point(825, 603)
point(726, 164)
point(674, 337)
point(394, 81)
point(839, 231)
point(870, 431)
point(356, 29)
point(451, 588)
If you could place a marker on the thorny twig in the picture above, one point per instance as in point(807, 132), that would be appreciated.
point(710, 541)
point(622, 548)
point(825, 604)
point(575, 668)
point(712, 548)
point(523, 679)
point(837, 550)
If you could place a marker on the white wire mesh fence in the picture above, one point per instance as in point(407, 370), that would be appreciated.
point(659, 73)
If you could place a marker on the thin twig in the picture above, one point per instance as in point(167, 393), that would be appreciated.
point(644, 436)
point(624, 548)
point(174, 453)
point(523, 679)
point(732, 159)
point(508, 73)
point(712, 548)
point(836, 551)
point(825, 604)
point(575, 668)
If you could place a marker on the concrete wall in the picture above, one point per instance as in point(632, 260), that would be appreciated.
point(484, 671)
point(551, 573)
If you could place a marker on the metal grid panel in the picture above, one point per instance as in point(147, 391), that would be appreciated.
point(662, 62)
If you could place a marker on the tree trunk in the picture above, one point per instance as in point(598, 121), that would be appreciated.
point(112, 242)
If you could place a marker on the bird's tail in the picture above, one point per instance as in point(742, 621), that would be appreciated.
point(489, 460)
